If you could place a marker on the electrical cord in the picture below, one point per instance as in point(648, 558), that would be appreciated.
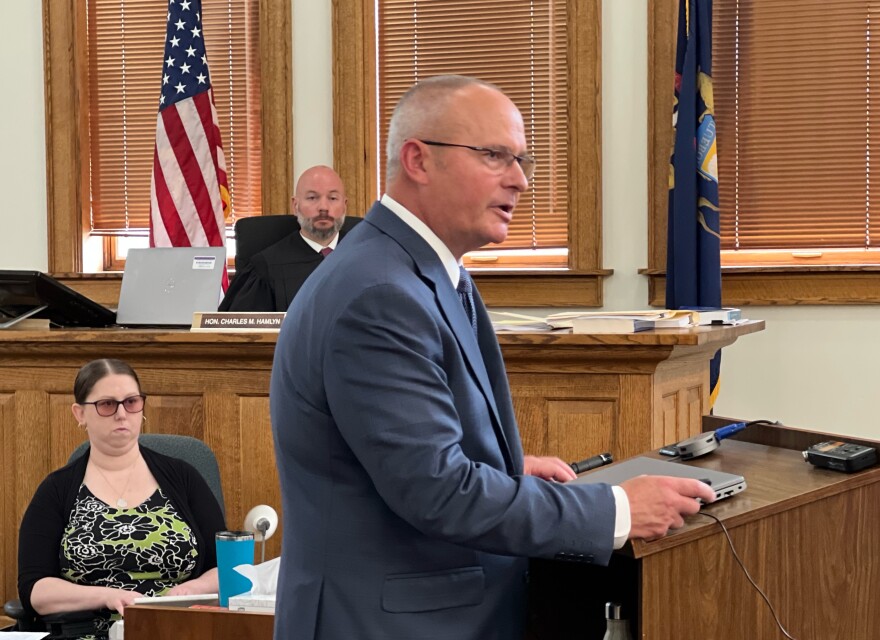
point(746, 572)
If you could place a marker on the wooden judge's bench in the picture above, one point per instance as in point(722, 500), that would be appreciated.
point(574, 395)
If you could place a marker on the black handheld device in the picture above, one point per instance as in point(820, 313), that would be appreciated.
point(591, 463)
point(841, 456)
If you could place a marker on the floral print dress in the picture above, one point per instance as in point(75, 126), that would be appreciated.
point(148, 548)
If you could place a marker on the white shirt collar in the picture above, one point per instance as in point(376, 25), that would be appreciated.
point(449, 262)
point(316, 246)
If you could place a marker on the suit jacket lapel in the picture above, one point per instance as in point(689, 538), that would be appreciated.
point(431, 269)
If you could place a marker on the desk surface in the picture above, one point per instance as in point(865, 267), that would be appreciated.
point(682, 336)
point(777, 480)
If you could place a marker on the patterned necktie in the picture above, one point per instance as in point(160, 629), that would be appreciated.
point(326, 251)
point(465, 290)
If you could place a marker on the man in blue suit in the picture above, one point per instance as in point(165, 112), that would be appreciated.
point(409, 507)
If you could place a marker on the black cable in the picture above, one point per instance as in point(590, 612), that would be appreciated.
point(746, 571)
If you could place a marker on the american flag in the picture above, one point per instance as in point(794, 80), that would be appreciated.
point(189, 193)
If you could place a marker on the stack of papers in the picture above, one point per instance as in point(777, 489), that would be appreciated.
point(614, 321)
point(521, 323)
point(619, 322)
point(632, 321)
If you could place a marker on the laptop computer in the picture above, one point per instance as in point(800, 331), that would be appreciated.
point(724, 484)
point(165, 286)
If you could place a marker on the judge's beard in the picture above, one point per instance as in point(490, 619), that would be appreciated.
point(322, 234)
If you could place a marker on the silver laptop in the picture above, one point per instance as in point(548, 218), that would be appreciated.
point(724, 484)
point(164, 286)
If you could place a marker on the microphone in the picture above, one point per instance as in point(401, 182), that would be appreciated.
point(591, 463)
point(262, 520)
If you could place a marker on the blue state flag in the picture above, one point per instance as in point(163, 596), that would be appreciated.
point(693, 249)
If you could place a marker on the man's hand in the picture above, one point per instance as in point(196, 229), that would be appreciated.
point(659, 503)
point(548, 468)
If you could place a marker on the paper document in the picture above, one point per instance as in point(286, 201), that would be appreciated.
point(199, 597)
point(518, 322)
point(660, 319)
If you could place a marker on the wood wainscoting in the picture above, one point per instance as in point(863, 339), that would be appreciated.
point(574, 395)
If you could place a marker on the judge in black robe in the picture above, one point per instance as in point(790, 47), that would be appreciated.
point(275, 274)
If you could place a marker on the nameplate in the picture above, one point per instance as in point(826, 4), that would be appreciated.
point(237, 321)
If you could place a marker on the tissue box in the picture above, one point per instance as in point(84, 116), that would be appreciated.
point(250, 602)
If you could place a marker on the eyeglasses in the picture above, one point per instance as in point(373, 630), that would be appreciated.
point(495, 158)
point(108, 407)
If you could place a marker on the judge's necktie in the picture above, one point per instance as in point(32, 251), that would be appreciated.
point(465, 290)
point(326, 251)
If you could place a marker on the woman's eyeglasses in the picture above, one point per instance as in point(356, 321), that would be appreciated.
point(108, 407)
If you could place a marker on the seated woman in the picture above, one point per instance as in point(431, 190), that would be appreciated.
point(121, 521)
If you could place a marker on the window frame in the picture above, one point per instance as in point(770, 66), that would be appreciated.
point(354, 150)
point(67, 188)
point(757, 279)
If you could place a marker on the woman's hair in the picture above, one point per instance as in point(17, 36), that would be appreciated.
point(97, 370)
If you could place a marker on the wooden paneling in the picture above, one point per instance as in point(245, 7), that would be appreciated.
point(545, 289)
point(276, 105)
point(587, 426)
point(8, 547)
point(662, 25)
point(151, 622)
point(574, 396)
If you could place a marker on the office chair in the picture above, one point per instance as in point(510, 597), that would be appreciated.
point(77, 623)
point(256, 233)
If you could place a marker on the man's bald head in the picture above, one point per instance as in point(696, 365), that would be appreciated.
point(424, 112)
point(319, 203)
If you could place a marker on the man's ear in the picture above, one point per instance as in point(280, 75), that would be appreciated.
point(293, 205)
point(415, 161)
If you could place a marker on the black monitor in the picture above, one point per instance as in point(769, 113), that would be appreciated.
point(32, 294)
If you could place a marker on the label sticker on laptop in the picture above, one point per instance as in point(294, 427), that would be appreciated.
point(204, 262)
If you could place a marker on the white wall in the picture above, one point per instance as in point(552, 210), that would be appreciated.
point(812, 367)
point(23, 242)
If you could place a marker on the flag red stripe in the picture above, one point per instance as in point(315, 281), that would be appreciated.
point(212, 133)
point(168, 212)
point(204, 105)
point(191, 173)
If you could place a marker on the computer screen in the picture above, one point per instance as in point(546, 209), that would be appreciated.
point(33, 294)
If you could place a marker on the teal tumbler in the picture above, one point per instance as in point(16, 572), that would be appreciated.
point(233, 548)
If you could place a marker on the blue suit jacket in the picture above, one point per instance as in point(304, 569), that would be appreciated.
point(406, 514)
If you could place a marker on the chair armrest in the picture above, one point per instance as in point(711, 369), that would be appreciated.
point(15, 610)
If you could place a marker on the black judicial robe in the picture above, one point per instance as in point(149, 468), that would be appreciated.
point(275, 274)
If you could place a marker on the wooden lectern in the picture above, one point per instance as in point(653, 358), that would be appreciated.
point(808, 537)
